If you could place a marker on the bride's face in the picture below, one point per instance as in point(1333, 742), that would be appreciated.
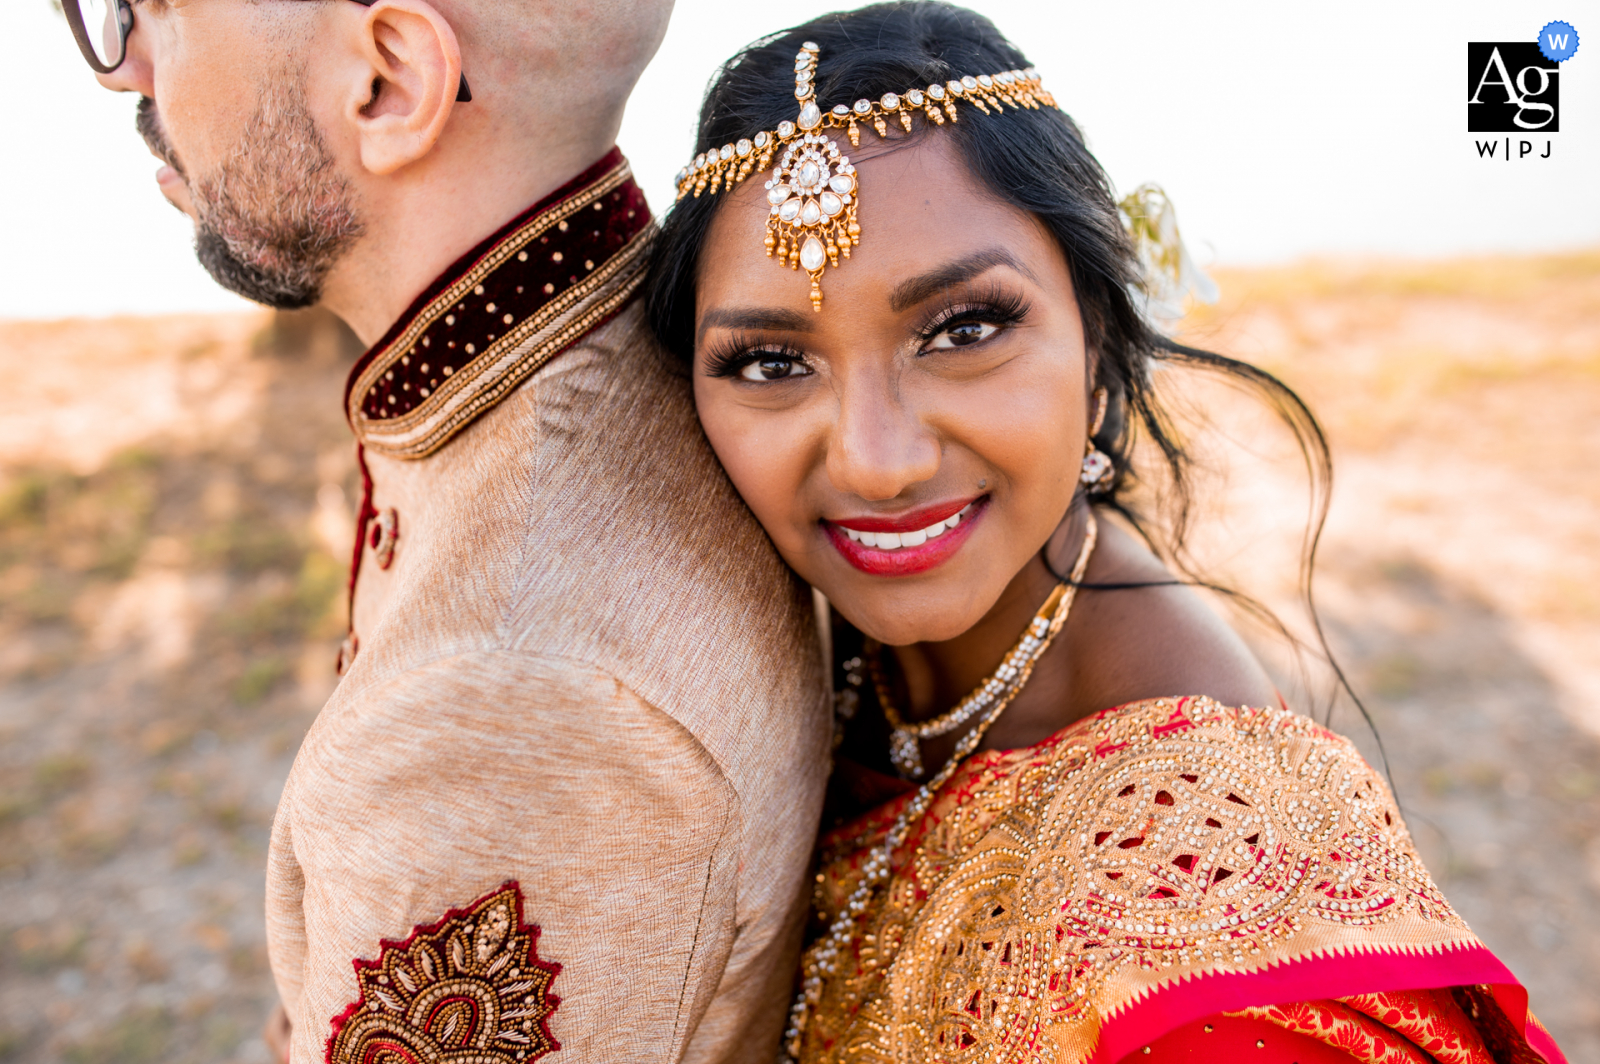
point(910, 448)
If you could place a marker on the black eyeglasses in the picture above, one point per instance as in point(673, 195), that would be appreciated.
point(101, 28)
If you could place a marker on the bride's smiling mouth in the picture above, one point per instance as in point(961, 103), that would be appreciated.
point(910, 543)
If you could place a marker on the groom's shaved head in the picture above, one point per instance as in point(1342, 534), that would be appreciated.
point(559, 62)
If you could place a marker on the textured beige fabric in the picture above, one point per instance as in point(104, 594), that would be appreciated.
point(586, 671)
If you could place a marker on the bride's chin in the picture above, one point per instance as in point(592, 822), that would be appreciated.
point(899, 628)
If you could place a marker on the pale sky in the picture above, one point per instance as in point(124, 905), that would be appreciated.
point(1280, 131)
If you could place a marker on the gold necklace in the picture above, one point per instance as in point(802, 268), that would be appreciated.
point(905, 737)
point(822, 957)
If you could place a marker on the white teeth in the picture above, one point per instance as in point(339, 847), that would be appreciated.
point(896, 540)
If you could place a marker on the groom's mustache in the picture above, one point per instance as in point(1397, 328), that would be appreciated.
point(147, 121)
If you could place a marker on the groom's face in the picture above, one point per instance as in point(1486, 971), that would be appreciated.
point(225, 107)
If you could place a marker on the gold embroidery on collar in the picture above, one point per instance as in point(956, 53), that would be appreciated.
point(487, 376)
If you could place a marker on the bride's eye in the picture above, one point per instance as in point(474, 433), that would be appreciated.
point(962, 334)
point(773, 368)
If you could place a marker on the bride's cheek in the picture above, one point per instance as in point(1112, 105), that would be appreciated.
point(759, 459)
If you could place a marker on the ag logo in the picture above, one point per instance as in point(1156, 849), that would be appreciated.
point(1511, 88)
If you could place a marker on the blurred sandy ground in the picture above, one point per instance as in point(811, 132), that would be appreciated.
point(175, 526)
point(175, 511)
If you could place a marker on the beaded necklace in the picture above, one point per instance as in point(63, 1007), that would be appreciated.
point(822, 957)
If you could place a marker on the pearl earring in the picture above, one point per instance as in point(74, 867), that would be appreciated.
point(1098, 469)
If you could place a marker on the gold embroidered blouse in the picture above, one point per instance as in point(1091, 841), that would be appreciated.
point(1149, 866)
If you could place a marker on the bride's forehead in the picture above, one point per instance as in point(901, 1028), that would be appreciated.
point(920, 206)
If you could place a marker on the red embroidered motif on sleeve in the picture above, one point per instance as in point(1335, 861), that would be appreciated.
point(469, 989)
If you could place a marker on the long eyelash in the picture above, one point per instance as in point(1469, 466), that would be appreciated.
point(993, 306)
point(738, 351)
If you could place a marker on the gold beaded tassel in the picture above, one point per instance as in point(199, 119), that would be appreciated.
point(726, 166)
point(813, 187)
point(837, 237)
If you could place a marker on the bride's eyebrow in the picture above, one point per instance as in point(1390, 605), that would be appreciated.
point(754, 319)
point(910, 292)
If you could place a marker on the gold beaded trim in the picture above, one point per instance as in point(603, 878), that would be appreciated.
point(813, 191)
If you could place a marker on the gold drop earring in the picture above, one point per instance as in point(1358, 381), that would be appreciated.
point(1098, 469)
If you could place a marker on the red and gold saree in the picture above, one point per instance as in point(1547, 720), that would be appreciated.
point(1167, 880)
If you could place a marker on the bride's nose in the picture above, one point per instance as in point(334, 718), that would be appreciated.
point(878, 445)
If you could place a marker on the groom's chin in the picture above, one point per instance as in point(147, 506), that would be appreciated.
point(279, 290)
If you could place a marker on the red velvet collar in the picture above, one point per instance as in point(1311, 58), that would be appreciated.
point(551, 275)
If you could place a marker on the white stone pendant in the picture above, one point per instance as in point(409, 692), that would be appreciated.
point(812, 200)
point(811, 255)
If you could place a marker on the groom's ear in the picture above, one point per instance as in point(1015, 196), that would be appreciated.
point(415, 66)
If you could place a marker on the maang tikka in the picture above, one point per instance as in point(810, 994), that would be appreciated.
point(813, 192)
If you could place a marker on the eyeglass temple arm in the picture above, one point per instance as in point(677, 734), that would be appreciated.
point(125, 17)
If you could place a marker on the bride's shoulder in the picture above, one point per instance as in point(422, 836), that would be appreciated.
point(1137, 643)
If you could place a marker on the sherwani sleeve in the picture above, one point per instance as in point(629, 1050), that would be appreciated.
point(435, 788)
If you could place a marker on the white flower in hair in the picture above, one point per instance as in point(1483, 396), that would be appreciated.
point(1170, 272)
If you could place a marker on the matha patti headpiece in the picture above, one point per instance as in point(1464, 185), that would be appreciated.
point(813, 192)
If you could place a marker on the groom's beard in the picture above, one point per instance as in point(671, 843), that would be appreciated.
point(275, 215)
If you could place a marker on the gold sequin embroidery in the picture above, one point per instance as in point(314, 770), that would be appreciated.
point(1048, 889)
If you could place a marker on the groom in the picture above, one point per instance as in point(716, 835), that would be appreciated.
point(563, 798)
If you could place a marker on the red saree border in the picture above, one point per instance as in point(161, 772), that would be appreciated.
point(1539, 1039)
point(1313, 978)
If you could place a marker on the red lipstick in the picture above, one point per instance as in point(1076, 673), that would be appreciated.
point(857, 537)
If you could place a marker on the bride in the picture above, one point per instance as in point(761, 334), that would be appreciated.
point(913, 315)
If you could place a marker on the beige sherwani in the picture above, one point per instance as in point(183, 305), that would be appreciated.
point(564, 797)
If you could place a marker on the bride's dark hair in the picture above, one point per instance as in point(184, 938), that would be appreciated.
point(1036, 161)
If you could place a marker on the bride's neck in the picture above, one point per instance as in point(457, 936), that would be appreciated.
point(938, 675)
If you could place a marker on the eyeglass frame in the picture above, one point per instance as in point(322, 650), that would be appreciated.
point(80, 33)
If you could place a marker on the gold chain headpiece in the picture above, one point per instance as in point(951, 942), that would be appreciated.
point(813, 191)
